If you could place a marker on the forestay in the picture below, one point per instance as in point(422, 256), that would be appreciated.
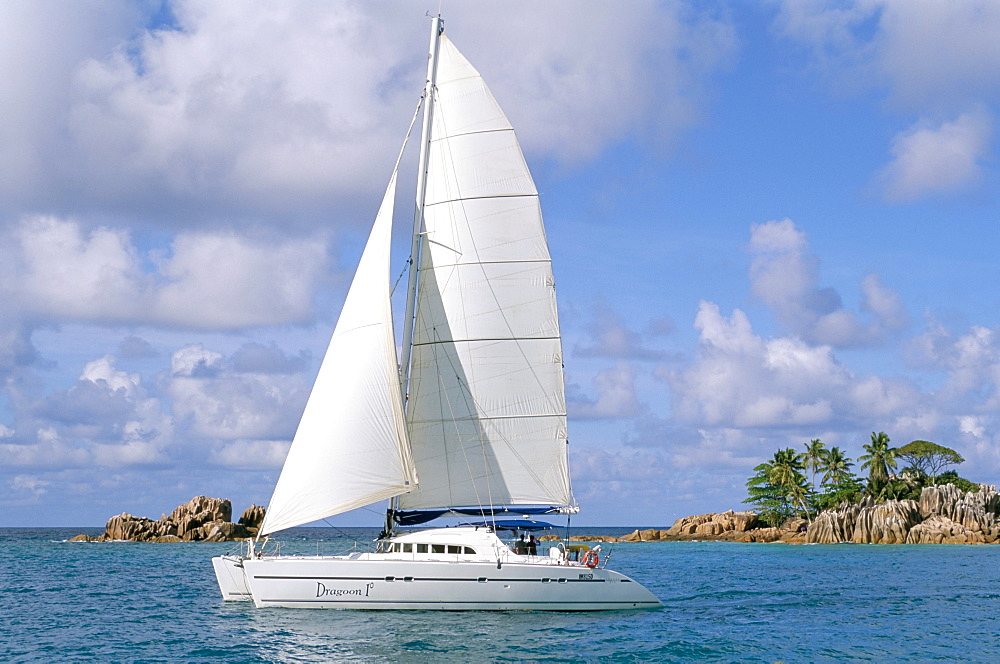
point(487, 409)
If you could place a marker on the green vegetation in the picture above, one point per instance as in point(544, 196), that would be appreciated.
point(779, 488)
point(928, 459)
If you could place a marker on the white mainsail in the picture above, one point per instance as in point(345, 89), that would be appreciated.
point(350, 448)
point(487, 409)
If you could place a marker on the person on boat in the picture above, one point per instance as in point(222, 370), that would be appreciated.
point(520, 546)
point(532, 546)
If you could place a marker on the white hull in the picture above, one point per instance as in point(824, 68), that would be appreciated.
point(232, 580)
point(336, 582)
point(448, 569)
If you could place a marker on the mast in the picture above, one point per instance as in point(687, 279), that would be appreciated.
point(437, 28)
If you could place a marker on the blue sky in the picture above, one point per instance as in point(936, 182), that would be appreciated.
point(770, 222)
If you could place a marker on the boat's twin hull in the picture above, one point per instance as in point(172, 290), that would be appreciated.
point(342, 583)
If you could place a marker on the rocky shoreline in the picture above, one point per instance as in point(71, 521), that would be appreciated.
point(201, 519)
point(944, 515)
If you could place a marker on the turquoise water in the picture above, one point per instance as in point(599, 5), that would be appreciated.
point(723, 602)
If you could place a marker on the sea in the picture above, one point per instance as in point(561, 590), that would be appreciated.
point(66, 601)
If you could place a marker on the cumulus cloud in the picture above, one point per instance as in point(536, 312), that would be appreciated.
point(251, 454)
point(791, 391)
point(609, 336)
point(929, 55)
point(935, 60)
point(741, 380)
point(616, 395)
point(107, 419)
point(238, 411)
point(295, 108)
point(929, 159)
point(55, 269)
point(783, 274)
point(216, 402)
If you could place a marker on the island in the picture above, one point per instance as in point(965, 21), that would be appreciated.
point(201, 519)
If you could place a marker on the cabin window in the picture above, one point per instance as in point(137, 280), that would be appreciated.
point(437, 548)
point(421, 548)
point(407, 548)
point(454, 549)
point(396, 547)
point(470, 551)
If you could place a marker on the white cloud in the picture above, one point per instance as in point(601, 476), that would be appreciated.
point(935, 60)
point(46, 450)
point(54, 269)
point(616, 396)
point(104, 370)
point(215, 402)
point(195, 360)
point(609, 336)
point(225, 280)
point(30, 484)
point(784, 276)
point(937, 56)
point(741, 380)
point(251, 454)
point(940, 53)
point(938, 159)
point(297, 107)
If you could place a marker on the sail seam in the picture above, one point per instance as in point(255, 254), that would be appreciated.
point(480, 198)
point(472, 133)
point(460, 341)
point(478, 417)
point(543, 261)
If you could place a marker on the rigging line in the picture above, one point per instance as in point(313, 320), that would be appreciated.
point(466, 393)
point(399, 278)
point(483, 439)
point(343, 534)
point(449, 158)
point(395, 168)
point(446, 147)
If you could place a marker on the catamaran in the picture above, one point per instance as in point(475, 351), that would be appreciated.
point(469, 421)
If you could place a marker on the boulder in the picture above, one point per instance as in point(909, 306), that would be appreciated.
point(252, 517)
point(939, 529)
point(886, 523)
point(712, 525)
point(833, 526)
point(201, 518)
point(975, 511)
point(769, 534)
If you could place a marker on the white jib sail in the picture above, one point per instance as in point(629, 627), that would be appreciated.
point(350, 448)
point(487, 407)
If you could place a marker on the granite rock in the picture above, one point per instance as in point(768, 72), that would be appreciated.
point(200, 519)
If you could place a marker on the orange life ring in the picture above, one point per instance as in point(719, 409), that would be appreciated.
point(590, 559)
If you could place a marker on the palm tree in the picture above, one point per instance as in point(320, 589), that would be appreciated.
point(814, 458)
point(786, 474)
point(879, 461)
point(836, 466)
point(778, 485)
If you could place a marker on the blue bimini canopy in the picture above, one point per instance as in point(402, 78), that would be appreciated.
point(512, 524)
point(416, 517)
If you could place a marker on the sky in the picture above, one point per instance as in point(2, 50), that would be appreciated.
point(770, 222)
